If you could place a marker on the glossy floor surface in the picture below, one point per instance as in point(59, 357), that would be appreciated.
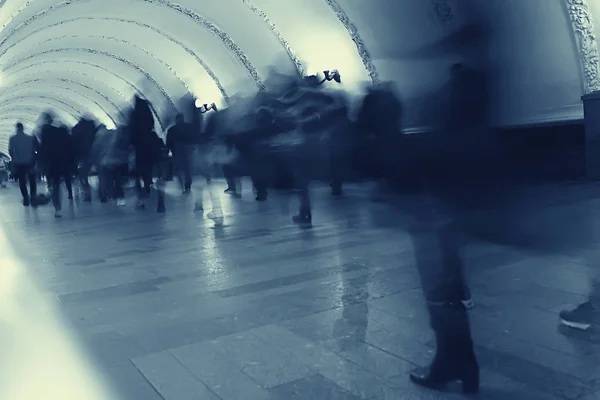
point(180, 306)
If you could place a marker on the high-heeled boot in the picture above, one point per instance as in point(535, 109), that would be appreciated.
point(468, 377)
point(455, 359)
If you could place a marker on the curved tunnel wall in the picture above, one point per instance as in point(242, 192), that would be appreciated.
point(110, 50)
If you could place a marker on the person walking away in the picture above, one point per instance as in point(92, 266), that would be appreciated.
point(22, 149)
point(100, 149)
point(146, 147)
point(181, 143)
point(83, 139)
point(56, 156)
point(115, 163)
point(464, 177)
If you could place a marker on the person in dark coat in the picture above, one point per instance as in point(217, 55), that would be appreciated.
point(22, 149)
point(182, 143)
point(146, 146)
point(463, 175)
point(56, 156)
point(83, 135)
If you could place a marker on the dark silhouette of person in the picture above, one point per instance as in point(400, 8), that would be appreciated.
point(380, 119)
point(147, 146)
point(83, 135)
point(56, 155)
point(22, 149)
point(182, 143)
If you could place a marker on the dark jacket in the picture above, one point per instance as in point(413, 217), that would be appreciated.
point(83, 135)
point(22, 148)
point(183, 134)
point(56, 147)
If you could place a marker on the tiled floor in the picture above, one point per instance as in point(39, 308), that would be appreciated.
point(180, 306)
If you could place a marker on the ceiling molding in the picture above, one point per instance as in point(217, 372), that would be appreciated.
point(41, 90)
point(361, 47)
point(44, 81)
point(225, 39)
point(584, 30)
point(84, 50)
point(133, 86)
point(280, 37)
point(172, 39)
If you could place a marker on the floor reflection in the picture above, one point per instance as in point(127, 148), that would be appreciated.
point(40, 358)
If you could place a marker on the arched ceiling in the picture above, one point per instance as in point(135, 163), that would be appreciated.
point(82, 57)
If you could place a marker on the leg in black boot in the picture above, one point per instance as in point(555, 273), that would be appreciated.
point(443, 288)
point(455, 359)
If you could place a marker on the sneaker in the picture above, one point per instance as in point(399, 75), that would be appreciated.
point(121, 202)
point(140, 205)
point(26, 202)
point(57, 214)
point(581, 318)
point(198, 207)
point(229, 191)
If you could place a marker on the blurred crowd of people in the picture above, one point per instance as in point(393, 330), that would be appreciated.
point(299, 130)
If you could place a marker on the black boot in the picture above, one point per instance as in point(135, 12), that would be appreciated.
point(469, 379)
point(455, 359)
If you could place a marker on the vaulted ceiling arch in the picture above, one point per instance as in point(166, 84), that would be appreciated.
point(154, 64)
point(103, 101)
point(37, 109)
point(103, 58)
point(73, 24)
point(78, 100)
point(164, 49)
point(51, 102)
point(108, 92)
point(23, 110)
point(146, 10)
point(78, 68)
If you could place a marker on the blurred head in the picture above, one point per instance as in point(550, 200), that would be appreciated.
point(19, 127)
point(47, 118)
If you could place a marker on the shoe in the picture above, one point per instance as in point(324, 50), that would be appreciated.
point(57, 214)
point(229, 191)
point(304, 221)
point(26, 202)
point(469, 382)
point(121, 202)
point(198, 207)
point(140, 205)
point(261, 198)
point(581, 318)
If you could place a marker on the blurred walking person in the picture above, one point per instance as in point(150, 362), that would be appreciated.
point(83, 138)
point(147, 147)
point(56, 156)
point(181, 142)
point(22, 149)
point(115, 164)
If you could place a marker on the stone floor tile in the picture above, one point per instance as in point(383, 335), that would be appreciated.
point(311, 388)
point(171, 379)
point(219, 374)
point(265, 362)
